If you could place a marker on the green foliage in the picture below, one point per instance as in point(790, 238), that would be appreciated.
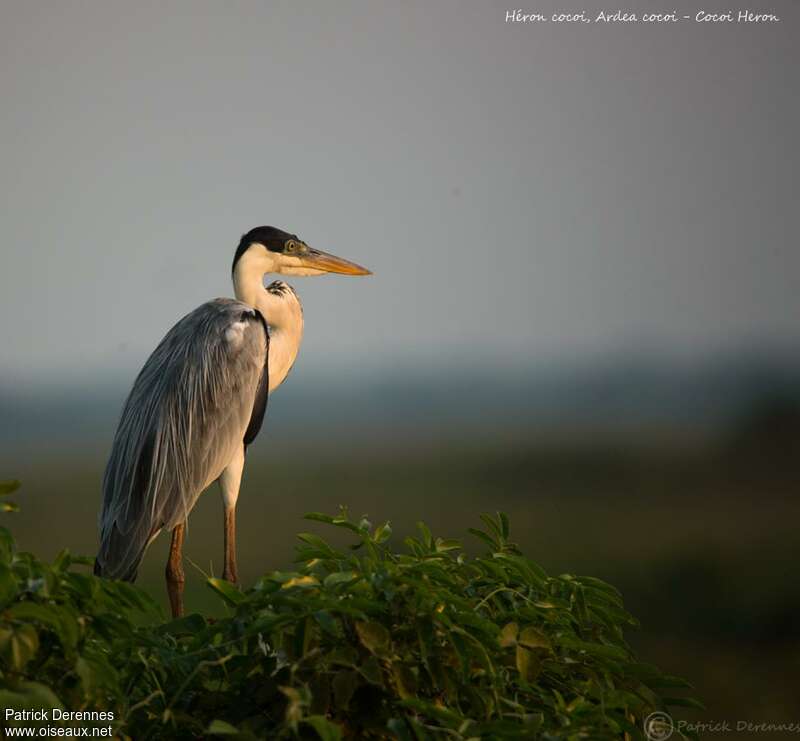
point(357, 643)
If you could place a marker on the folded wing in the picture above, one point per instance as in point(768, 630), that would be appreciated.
point(199, 397)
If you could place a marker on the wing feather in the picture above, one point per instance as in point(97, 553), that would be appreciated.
point(189, 411)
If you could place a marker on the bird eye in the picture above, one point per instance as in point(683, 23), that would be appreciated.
point(291, 246)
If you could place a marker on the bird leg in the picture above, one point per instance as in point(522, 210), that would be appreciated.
point(229, 482)
point(229, 572)
point(175, 577)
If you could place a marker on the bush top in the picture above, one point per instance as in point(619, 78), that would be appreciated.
point(358, 642)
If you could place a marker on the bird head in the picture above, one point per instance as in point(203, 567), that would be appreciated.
point(271, 250)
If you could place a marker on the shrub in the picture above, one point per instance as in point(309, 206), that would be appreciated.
point(359, 643)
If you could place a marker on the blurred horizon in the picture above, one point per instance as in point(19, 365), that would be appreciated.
point(611, 396)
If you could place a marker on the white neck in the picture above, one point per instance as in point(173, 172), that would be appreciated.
point(281, 309)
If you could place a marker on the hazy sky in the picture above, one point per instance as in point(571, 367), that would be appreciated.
point(530, 191)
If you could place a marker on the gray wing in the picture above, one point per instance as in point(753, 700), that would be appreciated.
point(199, 397)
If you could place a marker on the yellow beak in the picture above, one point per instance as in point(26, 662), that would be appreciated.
point(331, 264)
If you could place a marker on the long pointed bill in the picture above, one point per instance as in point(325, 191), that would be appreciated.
point(331, 264)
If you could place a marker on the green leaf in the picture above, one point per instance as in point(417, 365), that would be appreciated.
point(399, 729)
point(327, 622)
point(531, 647)
point(226, 590)
point(187, 625)
point(443, 546)
point(484, 537)
point(318, 543)
point(684, 702)
point(283, 576)
point(326, 730)
point(222, 728)
point(8, 584)
point(341, 522)
point(6, 545)
point(303, 582)
point(374, 637)
point(492, 524)
point(9, 487)
point(340, 577)
point(371, 671)
point(529, 571)
point(56, 618)
point(63, 560)
point(532, 638)
point(504, 528)
point(405, 681)
point(382, 533)
point(319, 517)
point(427, 538)
point(669, 681)
point(444, 715)
point(344, 684)
point(35, 612)
point(18, 645)
point(529, 664)
point(86, 672)
point(595, 649)
point(31, 696)
point(508, 635)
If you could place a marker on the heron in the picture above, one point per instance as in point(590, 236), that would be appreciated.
point(199, 402)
